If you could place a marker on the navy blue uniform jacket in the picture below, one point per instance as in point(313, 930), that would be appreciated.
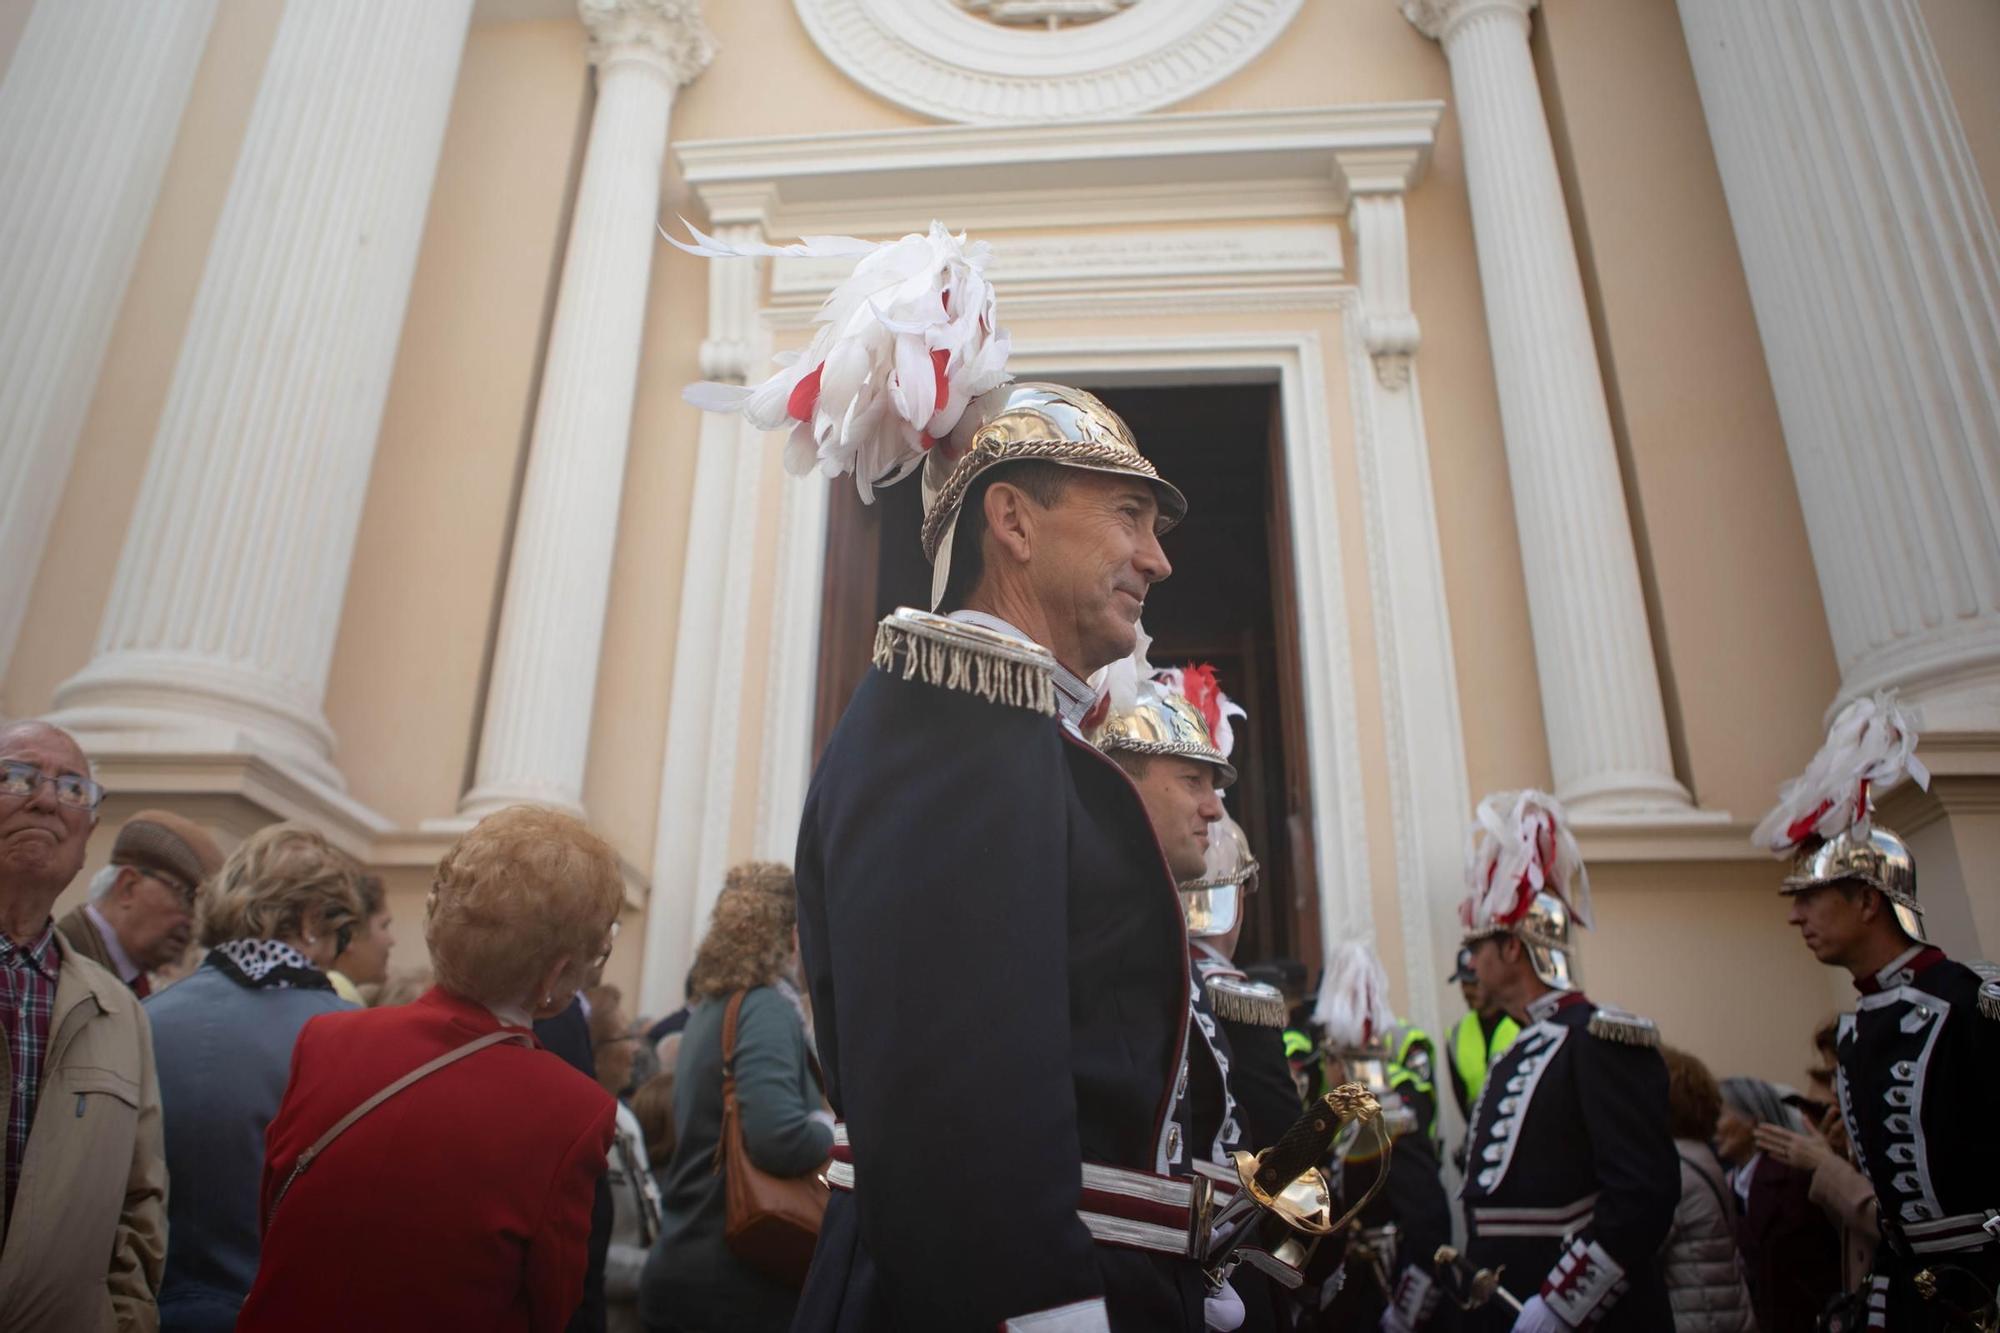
point(999, 978)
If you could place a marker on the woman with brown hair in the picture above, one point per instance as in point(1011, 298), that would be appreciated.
point(490, 1146)
point(1699, 1258)
point(280, 909)
point(693, 1282)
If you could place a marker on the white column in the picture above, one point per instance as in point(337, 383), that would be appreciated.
point(88, 114)
point(220, 627)
point(1874, 267)
point(1593, 651)
point(1420, 713)
point(698, 773)
point(536, 736)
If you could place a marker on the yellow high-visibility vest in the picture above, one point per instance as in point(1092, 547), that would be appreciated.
point(1471, 1056)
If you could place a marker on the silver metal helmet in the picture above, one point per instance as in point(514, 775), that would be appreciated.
point(1213, 904)
point(1881, 860)
point(1544, 931)
point(1163, 722)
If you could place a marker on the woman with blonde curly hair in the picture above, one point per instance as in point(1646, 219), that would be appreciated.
point(693, 1283)
point(276, 914)
point(493, 1144)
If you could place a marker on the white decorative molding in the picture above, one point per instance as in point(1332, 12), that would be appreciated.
point(791, 689)
point(1873, 261)
point(534, 743)
point(1429, 796)
point(1600, 684)
point(88, 113)
point(698, 771)
point(222, 627)
point(667, 35)
point(1217, 269)
point(935, 58)
point(1172, 168)
point(1050, 14)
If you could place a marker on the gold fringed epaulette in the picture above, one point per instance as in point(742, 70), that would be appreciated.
point(1242, 1001)
point(971, 659)
point(1989, 989)
point(1625, 1026)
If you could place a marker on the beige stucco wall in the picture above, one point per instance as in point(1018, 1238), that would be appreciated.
point(404, 692)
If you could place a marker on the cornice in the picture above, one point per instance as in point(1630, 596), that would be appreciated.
point(933, 57)
point(1171, 167)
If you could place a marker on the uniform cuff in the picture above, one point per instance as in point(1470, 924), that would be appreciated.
point(1077, 1317)
point(1584, 1284)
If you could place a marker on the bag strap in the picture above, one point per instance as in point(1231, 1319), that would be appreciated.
point(421, 1072)
point(729, 1015)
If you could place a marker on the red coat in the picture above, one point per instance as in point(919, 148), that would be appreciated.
point(463, 1202)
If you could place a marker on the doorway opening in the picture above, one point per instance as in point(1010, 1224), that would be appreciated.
point(1230, 603)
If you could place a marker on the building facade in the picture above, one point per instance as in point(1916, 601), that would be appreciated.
point(1620, 386)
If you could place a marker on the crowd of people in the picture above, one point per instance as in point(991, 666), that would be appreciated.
point(986, 1058)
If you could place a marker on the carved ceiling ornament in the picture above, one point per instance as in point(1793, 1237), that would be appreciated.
point(988, 62)
point(1050, 14)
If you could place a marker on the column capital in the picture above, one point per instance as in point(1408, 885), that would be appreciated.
point(668, 35)
point(1438, 19)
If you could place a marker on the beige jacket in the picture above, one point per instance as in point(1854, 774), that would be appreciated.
point(1848, 1198)
point(94, 1183)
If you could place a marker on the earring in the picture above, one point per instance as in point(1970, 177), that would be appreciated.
point(311, 940)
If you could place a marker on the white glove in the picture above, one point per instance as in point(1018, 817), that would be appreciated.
point(1223, 1311)
point(1536, 1317)
point(1393, 1322)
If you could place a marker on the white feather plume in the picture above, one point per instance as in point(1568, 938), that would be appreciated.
point(904, 343)
point(1120, 680)
point(1353, 1003)
point(1870, 748)
point(1518, 845)
point(1180, 680)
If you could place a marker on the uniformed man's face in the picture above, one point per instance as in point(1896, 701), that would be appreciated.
point(1180, 800)
point(1834, 920)
point(1094, 555)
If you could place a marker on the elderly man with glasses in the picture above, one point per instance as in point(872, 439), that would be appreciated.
point(83, 1229)
point(140, 916)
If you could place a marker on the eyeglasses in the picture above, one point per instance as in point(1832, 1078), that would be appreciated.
point(19, 781)
point(183, 890)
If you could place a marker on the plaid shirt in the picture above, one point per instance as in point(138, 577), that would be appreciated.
point(27, 1002)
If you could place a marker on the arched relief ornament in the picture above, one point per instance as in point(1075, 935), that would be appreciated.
point(1019, 61)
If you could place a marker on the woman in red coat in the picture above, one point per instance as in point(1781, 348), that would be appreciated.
point(462, 1201)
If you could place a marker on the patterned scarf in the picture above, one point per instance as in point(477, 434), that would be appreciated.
point(259, 964)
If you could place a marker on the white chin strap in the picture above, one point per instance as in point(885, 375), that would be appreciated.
point(941, 569)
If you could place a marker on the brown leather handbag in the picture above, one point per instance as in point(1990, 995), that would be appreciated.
point(770, 1222)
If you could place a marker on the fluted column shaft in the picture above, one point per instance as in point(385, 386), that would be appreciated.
point(221, 622)
point(88, 114)
point(1874, 267)
point(1593, 650)
point(535, 738)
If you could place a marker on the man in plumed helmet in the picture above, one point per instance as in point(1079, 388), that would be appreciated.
point(968, 862)
point(1390, 1284)
point(1571, 1178)
point(1918, 1078)
point(1170, 731)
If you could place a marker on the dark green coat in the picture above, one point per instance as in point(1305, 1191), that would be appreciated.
point(692, 1282)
